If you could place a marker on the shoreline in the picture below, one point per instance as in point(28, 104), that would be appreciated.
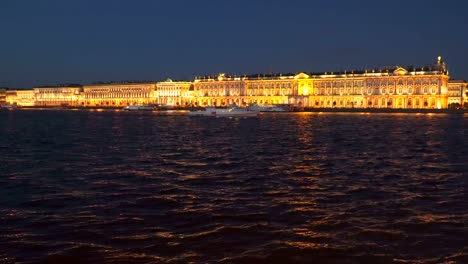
point(304, 110)
point(386, 110)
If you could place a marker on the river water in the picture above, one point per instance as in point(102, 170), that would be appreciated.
point(118, 187)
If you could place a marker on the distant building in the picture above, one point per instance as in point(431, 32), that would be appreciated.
point(392, 87)
point(174, 93)
point(456, 93)
point(10, 97)
point(2, 95)
point(465, 95)
point(19, 97)
point(389, 87)
point(220, 91)
point(25, 97)
point(58, 96)
point(118, 94)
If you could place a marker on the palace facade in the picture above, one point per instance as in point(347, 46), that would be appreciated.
point(56, 96)
point(172, 93)
point(118, 94)
point(391, 87)
point(388, 87)
point(457, 92)
point(3, 95)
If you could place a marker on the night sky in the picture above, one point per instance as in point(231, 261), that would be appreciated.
point(51, 42)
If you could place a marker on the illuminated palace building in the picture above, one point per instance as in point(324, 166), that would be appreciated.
point(391, 87)
point(388, 87)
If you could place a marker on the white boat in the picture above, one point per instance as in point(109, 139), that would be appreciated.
point(9, 106)
point(231, 111)
point(267, 108)
point(139, 108)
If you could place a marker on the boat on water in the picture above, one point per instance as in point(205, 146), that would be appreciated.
point(9, 106)
point(231, 111)
point(269, 108)
point(139, 108)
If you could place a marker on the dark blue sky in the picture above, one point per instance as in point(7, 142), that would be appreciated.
point(82, 41)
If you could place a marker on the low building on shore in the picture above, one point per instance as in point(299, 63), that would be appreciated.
point(174, 93)
point(118, 94)
point(10, 97)
point(456, 93)
point(3, 95)
point(58, 95)
point(19, 97)
point(25, 97)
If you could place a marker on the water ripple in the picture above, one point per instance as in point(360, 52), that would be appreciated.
point(114, 187)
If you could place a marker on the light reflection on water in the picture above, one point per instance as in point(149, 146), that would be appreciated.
point(299, 187)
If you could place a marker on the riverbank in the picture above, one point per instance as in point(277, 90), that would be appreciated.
point(313, 110)
point(160, 108)
point(386, 110)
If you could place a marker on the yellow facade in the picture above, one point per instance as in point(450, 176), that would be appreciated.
point(2, 96)
point(465, 96)
point(456, 92)
point(270, 90)
point(10, 97)
point(173, 93)
point(398, 88)
point(221, 91)
point(20, 97)
point(25, 97)
point(58, 96)
point(112, 95)
point(407, 88)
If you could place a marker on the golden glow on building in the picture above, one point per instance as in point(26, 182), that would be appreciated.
point(456, 92)
point(25, 97)
point(118, 94)
point(390, 87)
point(174, 93)
point(58, 96)
point(10, 97)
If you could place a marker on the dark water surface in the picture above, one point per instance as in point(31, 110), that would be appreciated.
point(115, 187)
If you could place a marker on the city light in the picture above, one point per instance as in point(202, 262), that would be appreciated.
point(431, 85)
